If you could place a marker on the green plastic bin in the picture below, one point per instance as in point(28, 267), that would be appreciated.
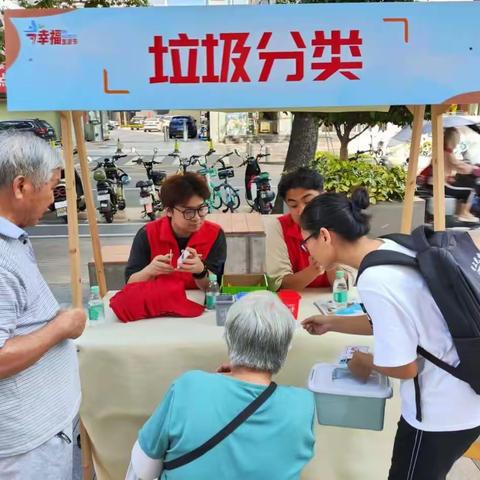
point(233, 284)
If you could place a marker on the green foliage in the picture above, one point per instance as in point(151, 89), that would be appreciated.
point(382, 183)
point(398, 115)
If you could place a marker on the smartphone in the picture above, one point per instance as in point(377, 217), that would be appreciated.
point(185, 254)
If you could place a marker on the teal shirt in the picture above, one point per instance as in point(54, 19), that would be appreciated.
point(274, 443)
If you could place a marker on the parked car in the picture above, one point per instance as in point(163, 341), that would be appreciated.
point(176, 126)
point(155, 124)
point(41, 128)
point(136, 123)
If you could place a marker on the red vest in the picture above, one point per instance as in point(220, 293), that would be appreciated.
point(298, 258)
point(162, 239)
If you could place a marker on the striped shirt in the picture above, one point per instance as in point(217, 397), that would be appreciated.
point(40, 401)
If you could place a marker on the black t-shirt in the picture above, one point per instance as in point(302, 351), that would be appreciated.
point(140, 254)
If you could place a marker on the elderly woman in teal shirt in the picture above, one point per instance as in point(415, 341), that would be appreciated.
point(275, 442)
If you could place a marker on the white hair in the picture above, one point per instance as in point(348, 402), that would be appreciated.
point(24, 154)
point(258, 331)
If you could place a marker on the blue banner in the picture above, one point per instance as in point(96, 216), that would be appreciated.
point(243, 57)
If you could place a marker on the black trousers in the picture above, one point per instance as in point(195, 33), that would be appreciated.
point(461, 193)
point(420, 455)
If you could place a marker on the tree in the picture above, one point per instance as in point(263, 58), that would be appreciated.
point(304, 135)
point(344, 123)
point(303, 140)
point(305, 125)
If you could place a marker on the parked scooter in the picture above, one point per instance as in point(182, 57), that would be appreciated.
point(59, 205)
point(149, 199)
point(156, 176)
point(150, 189)
point(110, 183)
point(258, 188)
point(118, 176)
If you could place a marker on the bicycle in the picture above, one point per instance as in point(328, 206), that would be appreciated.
point(375, 154)
point(222, 194)
point(196, 158)
point(183, 162)
point(215, 200)
point(228, 193)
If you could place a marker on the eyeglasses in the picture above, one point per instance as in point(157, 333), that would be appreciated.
point(303, 243)
point(189, 213)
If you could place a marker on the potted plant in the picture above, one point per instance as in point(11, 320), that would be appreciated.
point(385, 185)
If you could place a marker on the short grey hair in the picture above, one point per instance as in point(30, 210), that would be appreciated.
point(258, 331)
point(24, 154)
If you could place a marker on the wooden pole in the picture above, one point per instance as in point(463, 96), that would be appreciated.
point(87, 459)
point(91, 212)
point(86, 446)
point(474, 451)
point(417, 127)
point(438, 167)
point(73, 240)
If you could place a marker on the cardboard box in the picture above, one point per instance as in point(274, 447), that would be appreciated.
point(233, 284)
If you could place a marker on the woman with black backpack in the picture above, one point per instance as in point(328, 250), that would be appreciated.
point(440, 413)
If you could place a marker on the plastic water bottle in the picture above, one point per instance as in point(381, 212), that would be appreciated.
point(340, 290)
point(96, 312)
point(212, 292)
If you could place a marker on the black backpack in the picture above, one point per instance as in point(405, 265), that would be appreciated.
point(450, 264)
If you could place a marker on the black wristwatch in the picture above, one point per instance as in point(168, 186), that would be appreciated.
point(202, 274)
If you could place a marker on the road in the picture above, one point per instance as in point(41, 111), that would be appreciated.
point(50, 236)
point(127, 223)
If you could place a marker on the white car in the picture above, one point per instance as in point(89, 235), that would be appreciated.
point(153, 125)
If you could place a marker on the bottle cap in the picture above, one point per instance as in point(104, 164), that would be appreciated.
point(339, 274)
point(95, 289)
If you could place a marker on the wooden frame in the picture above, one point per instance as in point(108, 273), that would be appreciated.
point(72, 121)
point(407, 215)
point(69, 121)
point(437, 164)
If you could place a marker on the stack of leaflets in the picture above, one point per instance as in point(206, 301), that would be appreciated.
point(329, 308)
point(348, 352)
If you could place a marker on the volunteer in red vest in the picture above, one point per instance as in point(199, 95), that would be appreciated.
point(288, 266)
point(158, 246)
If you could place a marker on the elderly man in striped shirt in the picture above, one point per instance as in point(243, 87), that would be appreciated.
point(39, 381)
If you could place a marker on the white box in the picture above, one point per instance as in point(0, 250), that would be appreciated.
point(345, 401)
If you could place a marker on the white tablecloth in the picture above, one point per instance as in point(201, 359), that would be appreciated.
point(126, 369)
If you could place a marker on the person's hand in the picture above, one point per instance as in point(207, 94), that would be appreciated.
point(193, 264)
point(361, 365)
point(71, 323)
point(476, 172)
point(160, 265)
point(224, 368)
point(318, 324)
